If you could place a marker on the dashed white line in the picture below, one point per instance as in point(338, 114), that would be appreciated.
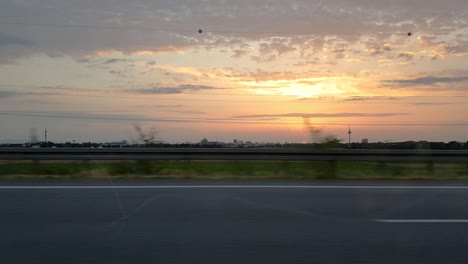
point(423, 221)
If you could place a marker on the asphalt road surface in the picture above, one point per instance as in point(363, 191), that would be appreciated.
point(233, 222)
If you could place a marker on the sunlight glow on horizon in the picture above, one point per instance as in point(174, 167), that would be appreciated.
point(266, 64)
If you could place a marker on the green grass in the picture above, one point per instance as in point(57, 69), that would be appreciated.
point(234, 170)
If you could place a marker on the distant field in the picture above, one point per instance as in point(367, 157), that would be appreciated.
point(233, 170)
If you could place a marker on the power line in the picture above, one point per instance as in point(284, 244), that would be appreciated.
point(156, 99)
point(197, 31)
point(95, 27)
point(342, 100)
point(130, 91)
point(213, 120)
point(201, 100)
point(146, 97)
point(151, 97)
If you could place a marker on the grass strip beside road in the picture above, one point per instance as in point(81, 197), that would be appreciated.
point(233, 170)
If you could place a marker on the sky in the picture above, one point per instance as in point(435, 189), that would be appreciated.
point(258, 70)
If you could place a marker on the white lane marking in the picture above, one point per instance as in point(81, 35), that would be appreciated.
point(223, 187)
point(422, 221)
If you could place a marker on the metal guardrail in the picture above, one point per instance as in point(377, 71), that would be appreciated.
point(254, 154)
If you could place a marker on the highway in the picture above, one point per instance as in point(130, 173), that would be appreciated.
point(233, 222)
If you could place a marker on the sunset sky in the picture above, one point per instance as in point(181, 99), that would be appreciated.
point(260, 70)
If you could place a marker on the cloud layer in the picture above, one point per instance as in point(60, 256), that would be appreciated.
point(428, 80)
point(281, 27)
point(319, 115)
point(186, 88)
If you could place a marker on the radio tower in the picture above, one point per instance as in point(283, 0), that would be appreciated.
point(45, 136)
point(349, 135)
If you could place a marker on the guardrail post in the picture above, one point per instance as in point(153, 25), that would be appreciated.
point(382, 165)
point(332, 164)
point(285, 167)
point(87, 167)
point(143, 166)
point(430, 167)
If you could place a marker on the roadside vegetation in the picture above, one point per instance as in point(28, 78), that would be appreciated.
point(234, 170)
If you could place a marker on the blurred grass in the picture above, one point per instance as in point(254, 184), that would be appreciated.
point(234, 170)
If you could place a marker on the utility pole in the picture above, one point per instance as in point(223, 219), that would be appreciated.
point(349, 136)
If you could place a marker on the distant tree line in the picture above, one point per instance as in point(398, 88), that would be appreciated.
point(327, 143)
point(452, 145)
point(407, 145)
